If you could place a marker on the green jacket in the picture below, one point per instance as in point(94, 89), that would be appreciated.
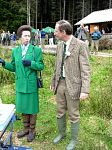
point(26, 77)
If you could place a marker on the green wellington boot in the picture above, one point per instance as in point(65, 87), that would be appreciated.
point(74, 134)
point(32, 132)
point(26, 122)
point(61, 129)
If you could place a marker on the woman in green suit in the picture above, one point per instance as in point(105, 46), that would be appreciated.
point(26, 61)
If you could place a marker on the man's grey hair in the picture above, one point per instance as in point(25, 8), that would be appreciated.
point(65, 26)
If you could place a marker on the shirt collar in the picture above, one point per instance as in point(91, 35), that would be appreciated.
point(68, 42)
point(25, 46)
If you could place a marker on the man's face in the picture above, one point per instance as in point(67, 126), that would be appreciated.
point(59, 35)
point(25, 37)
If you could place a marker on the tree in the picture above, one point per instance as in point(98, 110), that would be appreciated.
point(42, 13)
point(110, 3)
point(13, 14)
point(28, 12)
point(64, 5)
point(36, 12)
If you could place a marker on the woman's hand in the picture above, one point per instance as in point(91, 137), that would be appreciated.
point(2, 61)
point(26, 62)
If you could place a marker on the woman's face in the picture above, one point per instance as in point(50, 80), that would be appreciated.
point(25, 37)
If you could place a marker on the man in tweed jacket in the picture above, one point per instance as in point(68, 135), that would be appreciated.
point(71, 80)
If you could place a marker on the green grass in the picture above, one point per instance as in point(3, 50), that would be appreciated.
point(96, 112)
point(106, 51)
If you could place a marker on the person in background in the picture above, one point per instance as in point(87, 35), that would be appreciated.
point(8, 38)
point(0, 38)
point(50, 37)
point(13, 38)
point(103, 31)
point(25, 62)
point(37, 37)
point(82, 32)
point(43, 36)
point(96, 35)
point(87, 41)
point(3, 38)
point(32, 41)
point(71, 80)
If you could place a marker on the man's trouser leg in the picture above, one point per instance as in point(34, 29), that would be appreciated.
point(32, 132)
point(26, 123)
point(74, 115)
point(61, 129)
point(61, 112)
point(92, 46)
point(74, 134)
point(96, 46)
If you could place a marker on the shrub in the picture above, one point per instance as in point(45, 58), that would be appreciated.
point(6, 77)
point(105, 43)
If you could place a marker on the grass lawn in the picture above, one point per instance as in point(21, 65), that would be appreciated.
point(106, 51)
point(96, 112)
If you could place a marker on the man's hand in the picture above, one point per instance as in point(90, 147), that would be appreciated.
point(51, 88)
point(27, 62)
point(83, 96)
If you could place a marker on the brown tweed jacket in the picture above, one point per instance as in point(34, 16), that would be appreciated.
point(77, 69)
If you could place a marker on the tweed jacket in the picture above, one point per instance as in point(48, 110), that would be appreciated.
point(77, 68)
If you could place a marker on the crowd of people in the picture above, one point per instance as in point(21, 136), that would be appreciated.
point(6, 38)
point(37, 38)
point(43, 38)
point(92, 39)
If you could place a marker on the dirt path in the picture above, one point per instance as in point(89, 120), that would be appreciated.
point(103, 54)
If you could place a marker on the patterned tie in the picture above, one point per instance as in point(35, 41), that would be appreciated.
point(24, 50)
point(63, 56)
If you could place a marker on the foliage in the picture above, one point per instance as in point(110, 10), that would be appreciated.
point(96, 112)
point(13, 13)
point(6, 77)
point(105, 43)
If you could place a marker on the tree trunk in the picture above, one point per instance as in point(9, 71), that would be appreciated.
point(36, 13)
point(110, 3)
point(60, 10)
point(64, 9)
point(91, 5)
point(28, 12)
point(83, 5)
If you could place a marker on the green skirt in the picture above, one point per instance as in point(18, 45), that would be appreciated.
point(27, 103)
